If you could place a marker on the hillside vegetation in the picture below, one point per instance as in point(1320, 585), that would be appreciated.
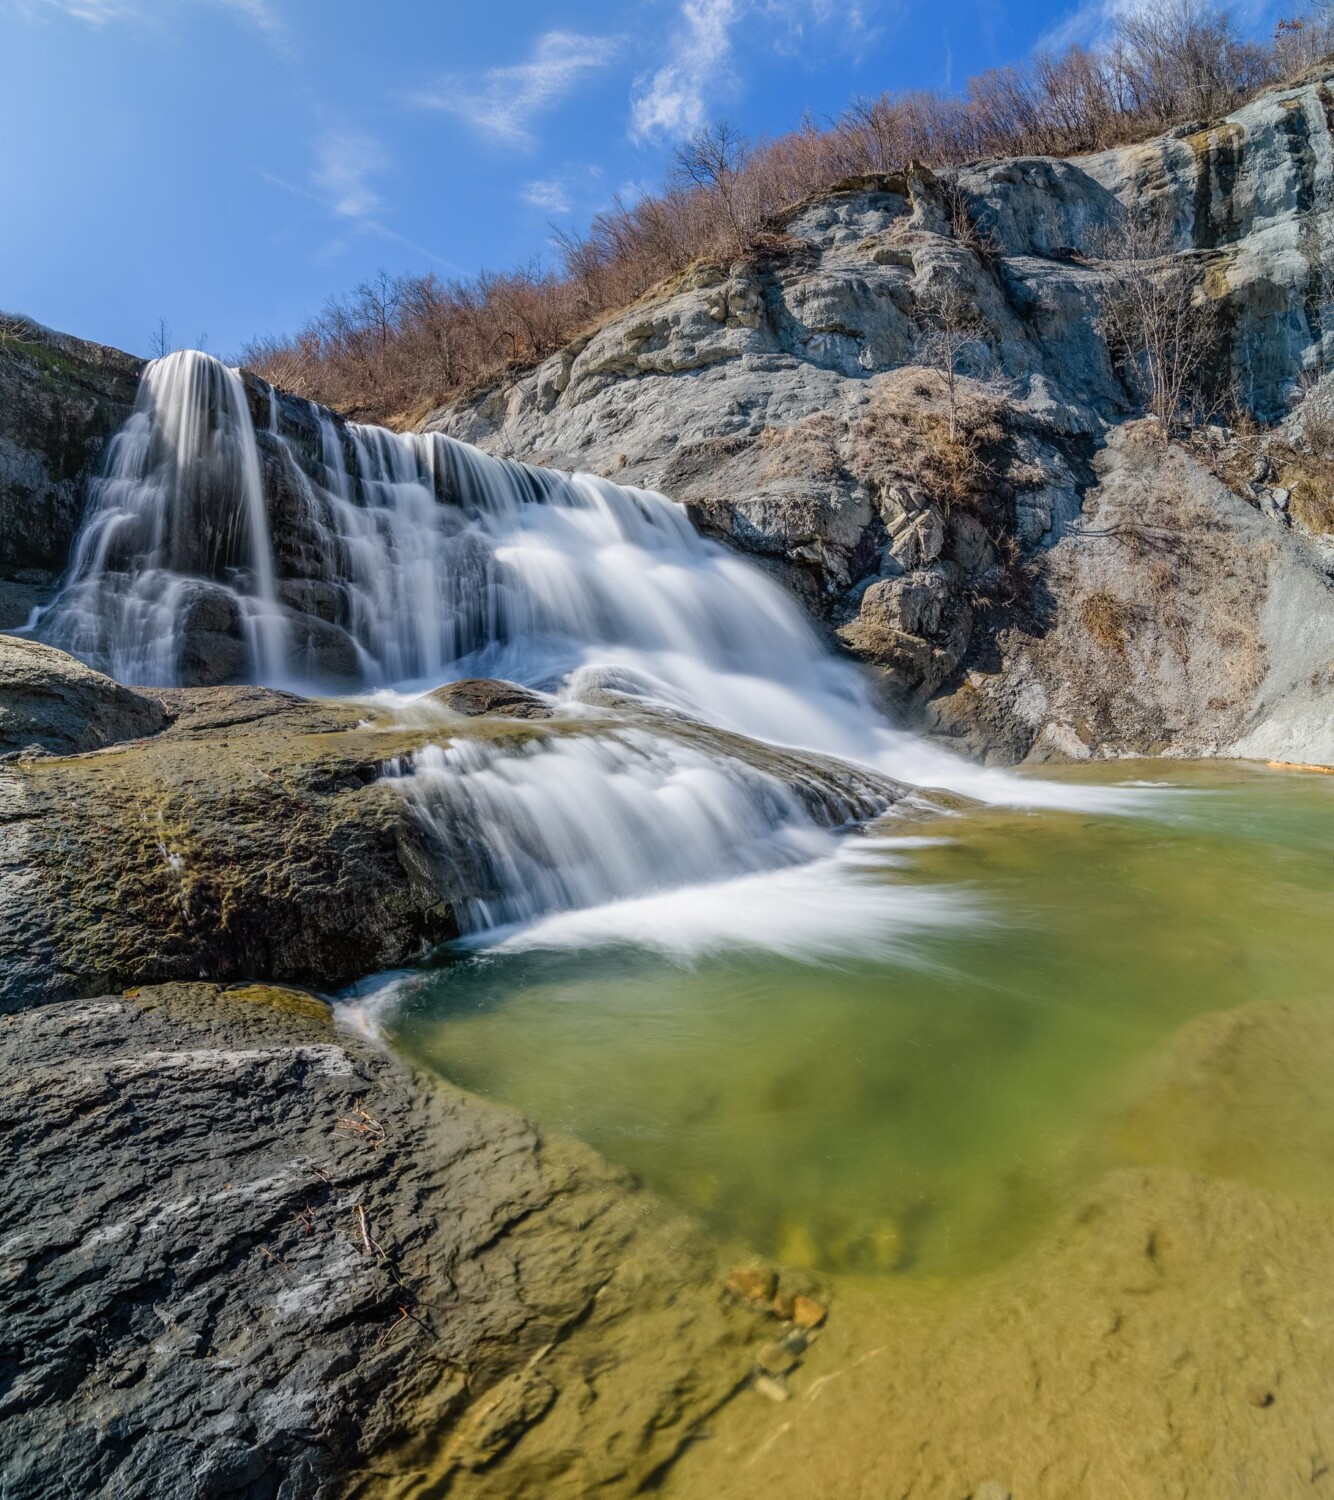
point(398, 345)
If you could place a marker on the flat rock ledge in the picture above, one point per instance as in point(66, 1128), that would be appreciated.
point(247, 1253)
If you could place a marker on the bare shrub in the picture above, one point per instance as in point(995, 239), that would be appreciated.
point(914, 441)
point(1160, 328)
point(160, 341)
point(950, 341)
point(713, 161)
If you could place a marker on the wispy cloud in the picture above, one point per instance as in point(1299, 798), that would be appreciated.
point(341, 183)
point(503, 102)
point(1094, 21)
point(549, 195)
point(259, 13)
point(344, 167)
point(677, 98)
point(673, 101)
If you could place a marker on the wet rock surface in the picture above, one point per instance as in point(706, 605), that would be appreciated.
point(475, 696)
point(248, 1253)
point(253, 837)
point(263, 835)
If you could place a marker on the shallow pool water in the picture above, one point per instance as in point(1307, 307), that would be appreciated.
point(917, 1091)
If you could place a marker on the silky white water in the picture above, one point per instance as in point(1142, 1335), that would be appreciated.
point(315, 553)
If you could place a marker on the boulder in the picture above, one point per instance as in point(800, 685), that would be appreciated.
point(474, 696)
point(248, 1253)
point(50, 701)
point(254, 837)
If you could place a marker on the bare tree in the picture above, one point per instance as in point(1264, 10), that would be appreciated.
point(160, 341)
point(1161, 329)
point(715, 160)
point(950, 341)
point(378, 303)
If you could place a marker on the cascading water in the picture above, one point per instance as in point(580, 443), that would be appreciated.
point(316, 551)
point(176, 527)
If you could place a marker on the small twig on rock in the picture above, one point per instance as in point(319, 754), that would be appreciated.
point(373, 1247)
point(363, 1123)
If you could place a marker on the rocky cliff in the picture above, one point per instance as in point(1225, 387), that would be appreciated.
point(783, 399)
point(61, 399)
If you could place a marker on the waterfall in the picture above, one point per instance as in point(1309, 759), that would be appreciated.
point(582, 820)
point(294, 549)
point(176, 533)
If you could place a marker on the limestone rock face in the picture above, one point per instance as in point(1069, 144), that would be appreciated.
point(763, 394)
point(1178, 619)
point(248, 1253)
point(51, 702)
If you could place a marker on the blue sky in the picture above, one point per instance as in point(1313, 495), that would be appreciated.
point(227, 164)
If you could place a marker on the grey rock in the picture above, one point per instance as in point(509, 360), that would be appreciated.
point(765, 432)
point(61, 399)
point(246, 1252)
point(51, 702)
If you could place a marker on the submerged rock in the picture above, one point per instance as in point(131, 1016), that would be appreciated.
point(474, 696)
point(248, 1253)
point(51, 702)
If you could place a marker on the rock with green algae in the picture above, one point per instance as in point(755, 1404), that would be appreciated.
point(254, 838)
point(262, 836)
point(246, 1252)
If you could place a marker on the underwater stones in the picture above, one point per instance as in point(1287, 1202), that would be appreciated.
point(771, 1389)
point(51, 702)
point(807, 1312)
point(753, 1283)
point(777, 1358)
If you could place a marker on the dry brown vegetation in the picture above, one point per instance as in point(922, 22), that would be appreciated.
point(948, 450)
point(1310, 479)
point(1106, 618)
point(400, 342)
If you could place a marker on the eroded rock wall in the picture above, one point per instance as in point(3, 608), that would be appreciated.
point(784, 402)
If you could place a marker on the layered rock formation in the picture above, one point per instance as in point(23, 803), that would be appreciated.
point(246, 1253)
point(254, 833)
point(783, 401)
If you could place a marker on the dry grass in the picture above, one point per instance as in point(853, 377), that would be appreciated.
point(1106, 619)
point(1309, 475)
point(808, 449)
point(904, 437)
